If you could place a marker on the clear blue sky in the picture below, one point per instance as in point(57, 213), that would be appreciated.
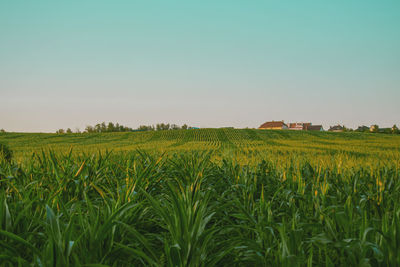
point(205, 63)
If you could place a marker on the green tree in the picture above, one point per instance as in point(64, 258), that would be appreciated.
point(374, 128)
point(145, 128)
point(89, 129)
point(69, 131)
point(103, 127)
point(175, 127)
point(60, 131)
point(362, 128)
point(395, 130)
point(111, 127)
point(162, 126)
point(345, 129)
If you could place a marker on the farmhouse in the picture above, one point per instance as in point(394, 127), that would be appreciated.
point(273, 125)
point(299, 126)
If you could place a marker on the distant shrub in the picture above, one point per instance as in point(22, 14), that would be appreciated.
point(5, 152)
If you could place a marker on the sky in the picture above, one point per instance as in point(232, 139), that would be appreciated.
point(68, 64)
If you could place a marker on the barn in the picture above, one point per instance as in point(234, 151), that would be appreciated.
point(273, 125)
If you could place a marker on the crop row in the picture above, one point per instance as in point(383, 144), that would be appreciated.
point(186, 209)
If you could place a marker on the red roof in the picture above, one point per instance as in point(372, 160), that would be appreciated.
point(273, 124)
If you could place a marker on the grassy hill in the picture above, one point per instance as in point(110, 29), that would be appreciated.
point(226, 141)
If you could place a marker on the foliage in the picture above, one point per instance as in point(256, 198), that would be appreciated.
point(146, 128)
point(112, 128)
point(345, 129)
point(362, 128)
point(109, 128)
point(60, 131)
point(186, 209)
point(5, 152)
point(244, 144)
point(374, 128)
point(395, 129)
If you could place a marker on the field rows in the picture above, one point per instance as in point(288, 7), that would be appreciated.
point(208, 197)
point(243, 140)
point(186, 209)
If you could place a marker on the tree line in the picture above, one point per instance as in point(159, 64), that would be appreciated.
point(376, 129)
point(112, 128)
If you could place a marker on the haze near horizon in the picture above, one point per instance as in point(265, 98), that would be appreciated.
point(207, 64)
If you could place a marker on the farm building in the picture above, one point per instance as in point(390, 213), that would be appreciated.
point(315, 128)
point(305, 126)
point(337, 128)
point(273, 125)
point(299, 126)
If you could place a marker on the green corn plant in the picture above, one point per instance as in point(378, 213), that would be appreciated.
point(59, 244)
point(185, 215)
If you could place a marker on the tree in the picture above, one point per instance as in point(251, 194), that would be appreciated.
point(146, 128)
point(175, 127)
point(97, 128)
point(362, 129)
point(345, 129)
point(77, 130)
point(374, 128)
point(162, 126)
point(111, 127)
point(2, 131)
point(89, 129)
point(143, 128)
point(60, 131)
point(395, 130)
point(184, 127)
point(69, 131)
point(103, 127)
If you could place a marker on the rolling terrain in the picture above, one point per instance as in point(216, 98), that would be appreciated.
point(218, 140)
point(208, 197)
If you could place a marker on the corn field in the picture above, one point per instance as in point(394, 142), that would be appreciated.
point(255, 202)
